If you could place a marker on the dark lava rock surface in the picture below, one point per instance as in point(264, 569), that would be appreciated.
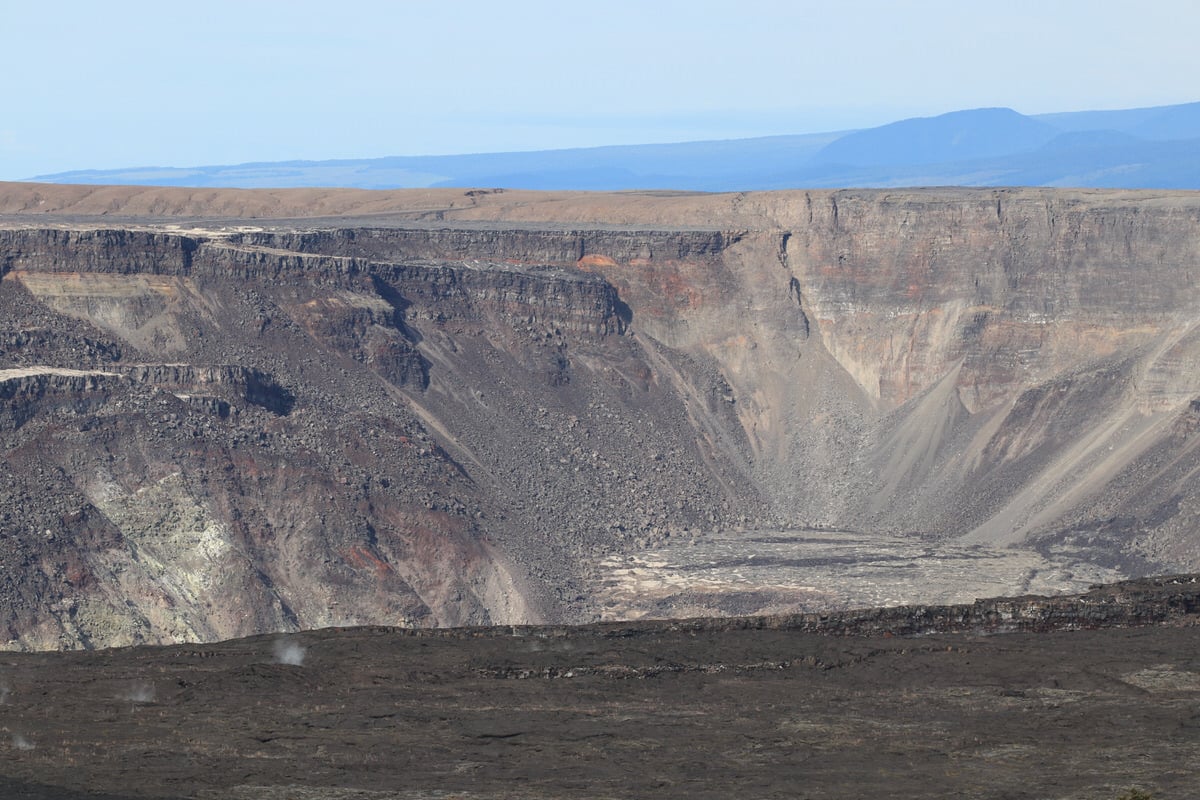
point(750, 707)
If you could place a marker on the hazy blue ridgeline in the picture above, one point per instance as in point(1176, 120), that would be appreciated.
point(1152, 148)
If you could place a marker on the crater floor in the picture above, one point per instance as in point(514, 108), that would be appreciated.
point(796, 571)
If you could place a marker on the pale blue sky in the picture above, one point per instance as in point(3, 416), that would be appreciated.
point(119, 84)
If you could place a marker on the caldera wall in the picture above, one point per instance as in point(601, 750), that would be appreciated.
point(452, 409)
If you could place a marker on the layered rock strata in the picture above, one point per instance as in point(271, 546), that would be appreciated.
point(455, 409)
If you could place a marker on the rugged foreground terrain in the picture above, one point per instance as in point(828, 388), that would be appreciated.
point(1070, 697)
point(231, 413)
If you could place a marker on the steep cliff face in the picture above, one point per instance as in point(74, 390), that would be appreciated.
point(462, 409)
point(322, 440)
point(1034, 345)
point(1039, 281)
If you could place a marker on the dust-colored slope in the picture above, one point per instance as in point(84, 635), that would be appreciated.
point(765, 210)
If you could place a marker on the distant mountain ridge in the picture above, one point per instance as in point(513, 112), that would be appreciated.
point(1151, 148)
point(959, 135)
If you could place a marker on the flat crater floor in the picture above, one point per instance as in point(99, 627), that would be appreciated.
point(794, 571)
point(634, 710)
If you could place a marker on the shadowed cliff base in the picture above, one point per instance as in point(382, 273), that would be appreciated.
point(237, 412)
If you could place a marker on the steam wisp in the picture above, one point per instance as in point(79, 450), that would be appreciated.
point(140, 692)
point(289, 653)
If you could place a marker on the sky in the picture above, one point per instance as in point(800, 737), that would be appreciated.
point(120, 84)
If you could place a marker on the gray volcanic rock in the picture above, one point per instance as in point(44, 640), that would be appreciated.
point(502, 407)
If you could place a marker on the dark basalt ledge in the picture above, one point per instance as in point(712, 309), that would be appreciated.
point(23, 397)
point(103, 250)
point(438, 266)
point(245, 383)
point(83, 391)
point(515, 242)
point(339, 252)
